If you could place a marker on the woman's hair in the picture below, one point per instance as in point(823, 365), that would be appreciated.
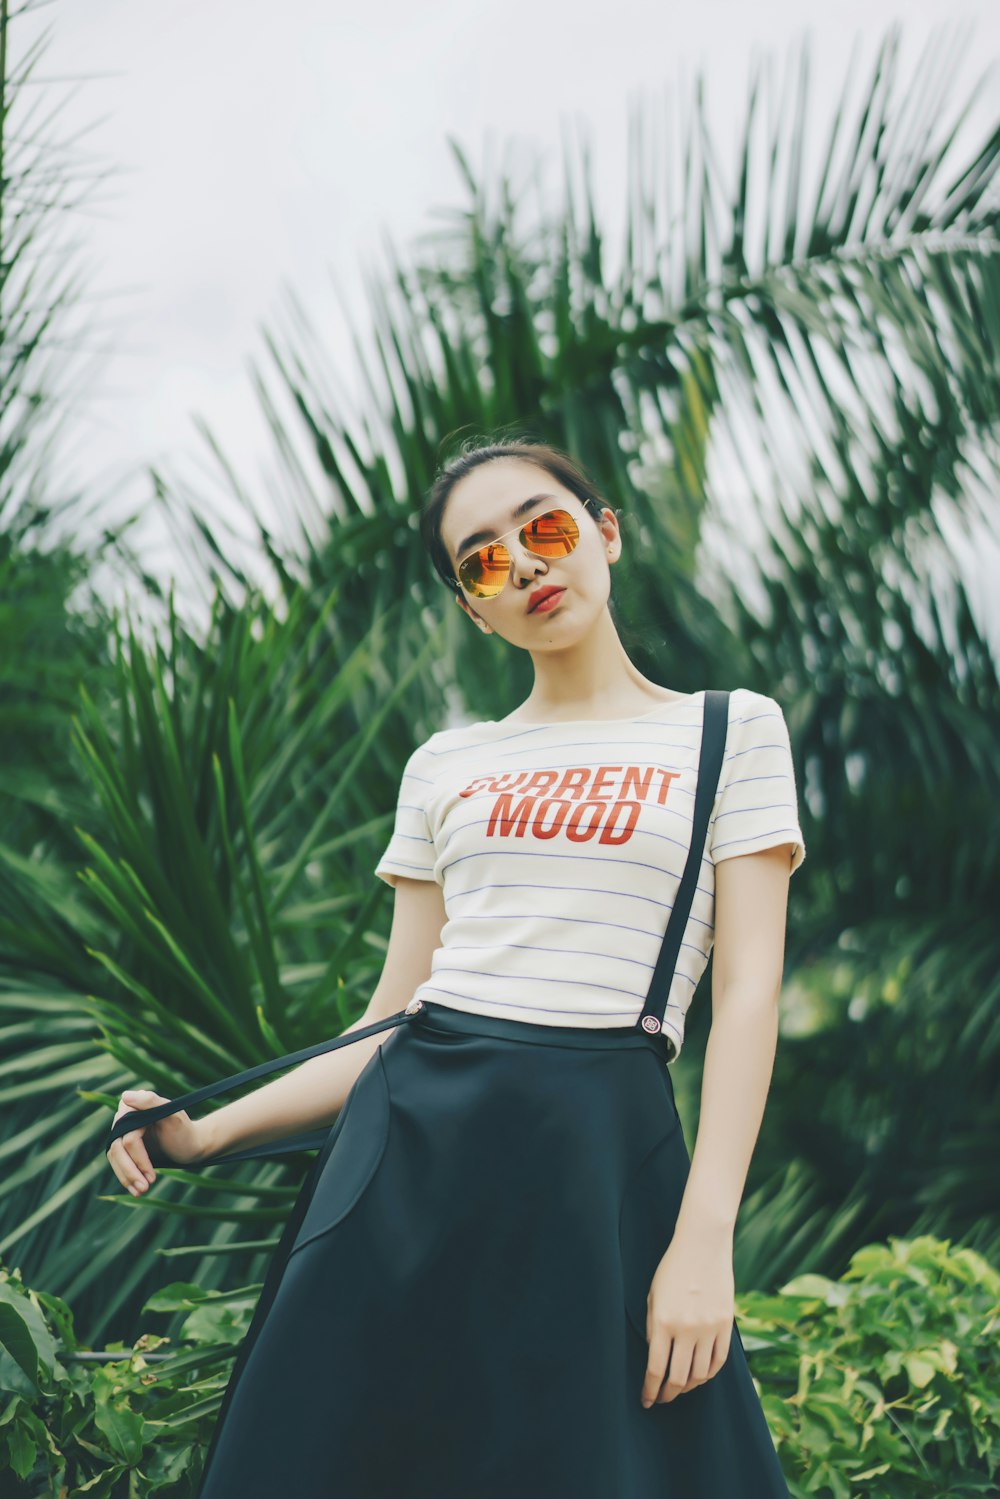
point(470, 455)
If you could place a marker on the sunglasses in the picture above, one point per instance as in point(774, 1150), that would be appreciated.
point(484, 572)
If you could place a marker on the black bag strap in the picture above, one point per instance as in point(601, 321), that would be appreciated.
point(310, 1141)
point(714, 728)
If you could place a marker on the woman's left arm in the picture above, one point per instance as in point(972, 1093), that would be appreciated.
point(691, 1304)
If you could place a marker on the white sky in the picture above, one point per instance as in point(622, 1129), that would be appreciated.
point(251, 148)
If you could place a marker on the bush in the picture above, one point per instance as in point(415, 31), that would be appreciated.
point(883, 1383)
point(119, 1428)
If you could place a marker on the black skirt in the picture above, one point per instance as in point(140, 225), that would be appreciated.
point(457, 1306)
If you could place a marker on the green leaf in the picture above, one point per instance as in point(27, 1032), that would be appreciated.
point(121, 1427)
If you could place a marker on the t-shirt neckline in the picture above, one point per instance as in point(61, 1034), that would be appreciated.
point(567, 723)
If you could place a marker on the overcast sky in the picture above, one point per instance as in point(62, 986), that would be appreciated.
point(251, 148)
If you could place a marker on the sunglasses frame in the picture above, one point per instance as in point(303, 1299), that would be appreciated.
point(588, 504)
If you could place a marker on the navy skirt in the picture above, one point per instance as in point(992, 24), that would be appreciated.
point(457, 1306)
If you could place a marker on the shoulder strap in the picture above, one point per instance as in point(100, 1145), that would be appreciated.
point(714, 728)
point(312, 1140)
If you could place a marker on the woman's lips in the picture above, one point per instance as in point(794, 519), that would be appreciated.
point(549, 602)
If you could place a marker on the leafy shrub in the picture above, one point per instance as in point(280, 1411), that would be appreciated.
point(883, 1383)
point(117, 1429)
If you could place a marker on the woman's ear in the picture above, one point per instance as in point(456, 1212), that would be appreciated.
point(481, 623)
point(612, 536)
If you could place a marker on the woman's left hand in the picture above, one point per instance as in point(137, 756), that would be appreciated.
point(690, 1311)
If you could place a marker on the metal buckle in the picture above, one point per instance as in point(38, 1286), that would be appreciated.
point(414, 1007)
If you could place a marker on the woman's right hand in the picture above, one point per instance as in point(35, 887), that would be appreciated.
point(177, 1135)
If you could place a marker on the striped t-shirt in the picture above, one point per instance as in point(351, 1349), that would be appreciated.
point(560, 848)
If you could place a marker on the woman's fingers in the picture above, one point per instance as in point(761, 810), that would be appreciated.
point(677, 1364)
point(131, 1164)
point(679, 1371)
point(125, 1168)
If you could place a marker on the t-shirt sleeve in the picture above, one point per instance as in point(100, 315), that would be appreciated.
point(757, 805)
point(410, 851)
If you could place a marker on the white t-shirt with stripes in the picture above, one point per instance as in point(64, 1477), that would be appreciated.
point(560, 847)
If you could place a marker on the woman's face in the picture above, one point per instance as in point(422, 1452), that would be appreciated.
point(485, 506)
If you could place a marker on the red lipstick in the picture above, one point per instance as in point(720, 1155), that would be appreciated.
point(544, 599)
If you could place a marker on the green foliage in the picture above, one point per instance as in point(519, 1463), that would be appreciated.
point(881, 1383)
point(241, 789)
point(120, 1428)
point(884, 1382)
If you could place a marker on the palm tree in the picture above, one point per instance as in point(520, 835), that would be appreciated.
point(843, 358)
point(242, 786)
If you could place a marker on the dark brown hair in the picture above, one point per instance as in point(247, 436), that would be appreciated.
point(476, 451)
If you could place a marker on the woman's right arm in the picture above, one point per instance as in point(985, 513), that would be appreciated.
point(311, 1095)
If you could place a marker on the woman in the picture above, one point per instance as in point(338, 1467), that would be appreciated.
point(506, 1274)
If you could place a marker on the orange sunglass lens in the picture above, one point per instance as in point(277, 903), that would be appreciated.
point(553, 534)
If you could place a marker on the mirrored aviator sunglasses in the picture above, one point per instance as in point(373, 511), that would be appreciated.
point(485, 571)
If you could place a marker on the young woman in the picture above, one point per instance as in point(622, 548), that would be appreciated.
point(506, 1275)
